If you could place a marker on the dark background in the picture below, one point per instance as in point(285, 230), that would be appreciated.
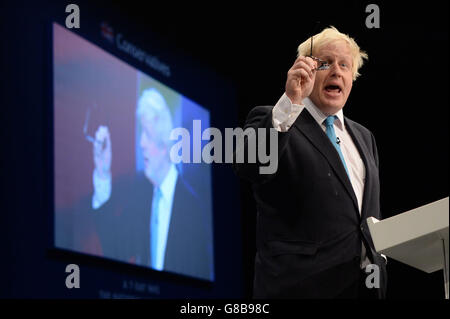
point(402, 97)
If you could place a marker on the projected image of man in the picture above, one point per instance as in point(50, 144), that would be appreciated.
point(163, 224)
point(156, 123)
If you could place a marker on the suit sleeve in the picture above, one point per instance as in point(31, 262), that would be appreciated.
point(259, 124)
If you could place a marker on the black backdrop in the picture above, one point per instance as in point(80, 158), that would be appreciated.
point(402, 96)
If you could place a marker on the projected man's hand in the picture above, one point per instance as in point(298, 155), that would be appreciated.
point(102, 152)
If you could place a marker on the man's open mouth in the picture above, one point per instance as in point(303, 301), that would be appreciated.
point(333, 89)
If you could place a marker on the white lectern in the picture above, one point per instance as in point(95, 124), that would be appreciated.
point(418, 238)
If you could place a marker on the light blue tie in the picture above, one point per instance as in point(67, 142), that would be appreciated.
point(329, 121)
point(154, 227)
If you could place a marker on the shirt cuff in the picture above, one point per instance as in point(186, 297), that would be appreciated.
point(102, 190)
point(285, 113)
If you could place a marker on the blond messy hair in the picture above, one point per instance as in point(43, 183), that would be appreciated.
point(329, 35)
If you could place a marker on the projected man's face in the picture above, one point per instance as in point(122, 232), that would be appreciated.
point(332, 86)
point(153, 149)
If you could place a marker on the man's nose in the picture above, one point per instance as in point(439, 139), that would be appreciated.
point(335, 70)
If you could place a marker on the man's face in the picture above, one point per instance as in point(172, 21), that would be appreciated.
point(332, 86)
point(153, 150)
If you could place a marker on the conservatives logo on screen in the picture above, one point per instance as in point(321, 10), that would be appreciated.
point(107, 31)
point(131, 49)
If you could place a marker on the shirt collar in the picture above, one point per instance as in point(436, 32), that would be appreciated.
point(318, 115)
point(167, 187)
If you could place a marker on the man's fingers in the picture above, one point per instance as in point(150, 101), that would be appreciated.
point(303, 65)
point(301, 73)
point(312, 63)
point(102, 133)
point(102, 139)
point(306, 59)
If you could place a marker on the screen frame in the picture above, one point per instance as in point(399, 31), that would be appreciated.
point(55, 252)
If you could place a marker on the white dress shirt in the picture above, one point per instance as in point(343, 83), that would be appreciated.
point(164, 211)
point(284, 115)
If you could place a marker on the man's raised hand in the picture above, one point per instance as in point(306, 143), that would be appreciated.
point(300, 79)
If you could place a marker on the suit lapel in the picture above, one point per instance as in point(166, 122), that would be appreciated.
point(175, 228)
point(314, 133)
point(364, 153)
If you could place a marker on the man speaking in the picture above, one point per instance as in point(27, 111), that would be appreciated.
point(154, 219)
point(312, 237)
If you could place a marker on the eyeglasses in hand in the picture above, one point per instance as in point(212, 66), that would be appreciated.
point(321, 64)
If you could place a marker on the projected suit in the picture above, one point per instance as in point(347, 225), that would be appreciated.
point(155, 219)
point(123, 225)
